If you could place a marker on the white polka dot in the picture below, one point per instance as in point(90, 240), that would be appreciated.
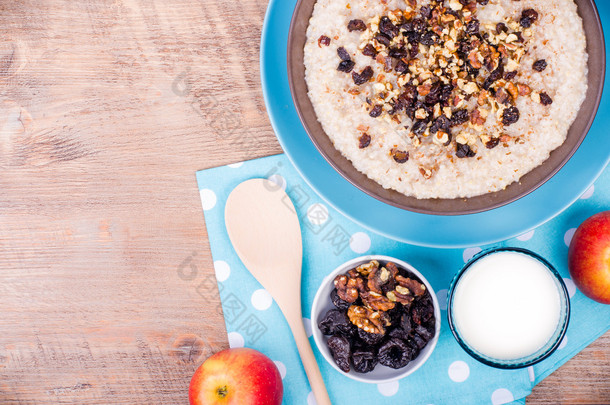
point(311, 399)
point(526, 236)
point(307, 326)
point(570, 286)
point(278, 180)
point(441, 296)
point(360, 242)
point(469, 253)
point(388, 389)
point(502, 396)
point(281, 368)
point(567, 238)
point(459, 371)
point(564, 343)
point(261, 299)
point(222, 269)
point(317, 214)
point(588, 194)
point(236, 165)
point(208, 199)
point(530, 372)
point(235, 340)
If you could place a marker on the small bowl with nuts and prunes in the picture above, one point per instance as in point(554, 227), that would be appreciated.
point(376, 319)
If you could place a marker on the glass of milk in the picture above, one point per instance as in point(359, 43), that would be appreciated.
point(508, 308)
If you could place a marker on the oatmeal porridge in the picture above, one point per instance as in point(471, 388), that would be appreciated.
point(446, 99)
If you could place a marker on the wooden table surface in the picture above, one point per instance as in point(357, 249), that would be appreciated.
point(107, 109)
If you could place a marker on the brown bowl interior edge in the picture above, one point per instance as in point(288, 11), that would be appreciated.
point(528, 183)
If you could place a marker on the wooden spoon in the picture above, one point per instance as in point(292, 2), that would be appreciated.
point(264, 229)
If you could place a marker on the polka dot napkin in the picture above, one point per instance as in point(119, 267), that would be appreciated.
point(450, 375)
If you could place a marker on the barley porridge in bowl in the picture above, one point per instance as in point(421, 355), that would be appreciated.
point(446, 99)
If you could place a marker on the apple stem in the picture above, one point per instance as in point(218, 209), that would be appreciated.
point(222, 391)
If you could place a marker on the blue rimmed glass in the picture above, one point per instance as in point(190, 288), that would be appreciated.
point(546, 350)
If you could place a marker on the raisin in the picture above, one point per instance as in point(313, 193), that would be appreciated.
point(492, 143)
point(364, 76)
point(356, 25)
point(395, 353)
point(398, 53)
point(376, 111)
point(323, 40)
point(369, 50)
point(343, 54)
point(340, 349)
point(369, 338)
point(387, 28)
point(510, 75)
point(383, 39)
point(446, 91)
point(493, 77)
point(539, 65)
point(426, 12)
point(419, 127)
point(401, 67)
point(473, 27)
point(428, 39)
point(462, 151)
point(528, 17)
point(334, 297)
point(545, 99)
point(510, 116)
point(364, 360)
point(500, 28)
point(435, 94)
point(459, 117)
point(483, 2)
point(418, 25)
point(346, 66)
point(400, 156)
point(442, 123)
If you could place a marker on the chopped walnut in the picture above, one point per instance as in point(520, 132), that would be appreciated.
point(368, 320)
point(348, 288)
point(376, 302)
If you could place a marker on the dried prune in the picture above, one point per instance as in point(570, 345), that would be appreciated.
point(424, 333)
point(528, 17)
point(334, 297)
point(369, 50)
point(376, 111)
point(364, 360)
point(343, 54)
point(364, 76)
point(387, 28)
point(340, 349)
point(395, 353)
point(356, 25)
point(545, 99)
point(346, 66)
point(417, 342)
point(336, 322)
point(462, 151)
point(510, 116)
point(459, 117)
point(539, 65)
point(369, 338)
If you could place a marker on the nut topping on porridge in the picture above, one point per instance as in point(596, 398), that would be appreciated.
point(443, 58)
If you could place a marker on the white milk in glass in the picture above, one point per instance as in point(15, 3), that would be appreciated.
point(506, 305)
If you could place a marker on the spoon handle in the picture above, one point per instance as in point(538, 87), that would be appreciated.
point(309, 361)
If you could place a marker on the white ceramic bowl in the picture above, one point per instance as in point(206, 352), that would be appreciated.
point(381, 373)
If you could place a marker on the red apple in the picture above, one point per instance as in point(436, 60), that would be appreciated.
point(236, 376)
point(589, 257)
